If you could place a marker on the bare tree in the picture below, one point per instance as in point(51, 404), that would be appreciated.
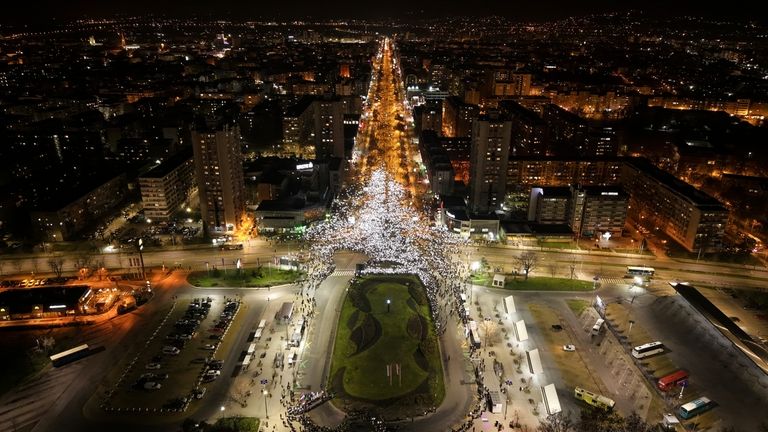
point(552, 268)
point(572, 266)
point(527, 261)
point(559, 422)
point(490, 330)
point(83, 260)
point(57, 265)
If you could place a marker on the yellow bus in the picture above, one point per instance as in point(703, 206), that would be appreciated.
point(594, 399)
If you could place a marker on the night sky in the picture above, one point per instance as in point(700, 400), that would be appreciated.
point(40, 11)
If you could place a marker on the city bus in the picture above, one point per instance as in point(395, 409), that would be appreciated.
point(641, 271)
point(70, 355)
point(695, 407)
point(674, 379)
point(648, 349)
point(598, 326)
point(594, 399)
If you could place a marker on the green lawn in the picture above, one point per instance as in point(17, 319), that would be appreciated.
point(481, 278)
point(247, 277)
point(369, 337)
point(547, 284)
point(577, 306)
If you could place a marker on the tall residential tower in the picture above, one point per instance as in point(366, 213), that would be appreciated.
point(219, 172)
point(489, 157)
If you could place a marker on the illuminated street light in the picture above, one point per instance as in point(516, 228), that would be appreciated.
point(475, 266)
point(265, 393)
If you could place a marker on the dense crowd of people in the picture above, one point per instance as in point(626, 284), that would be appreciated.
point(378, 220)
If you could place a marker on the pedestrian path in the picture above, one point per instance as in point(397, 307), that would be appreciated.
point(343, 273)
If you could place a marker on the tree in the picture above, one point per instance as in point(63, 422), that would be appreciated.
point(490, 330)
point(572, 266)
point(83, 260)
point(552, 268)
point(596, 420)
point(527, 261)
point(559, 422)
point(634, 423)
point(57, 266)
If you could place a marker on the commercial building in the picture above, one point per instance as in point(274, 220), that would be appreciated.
point(689, 216)
point(167, 186)
point(491, 136)
point(219, 174)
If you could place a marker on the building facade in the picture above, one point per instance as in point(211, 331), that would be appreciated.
point(689, 216)
point(72, 215)
point(598, 209)
point(489, 156)
point(219, 174)
point(167, 186)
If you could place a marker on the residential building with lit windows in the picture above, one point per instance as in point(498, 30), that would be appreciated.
point(598, 209)
point(689, 216)
point(219, 174)
point(66, 215)
point(489, 157)
point(167, 186)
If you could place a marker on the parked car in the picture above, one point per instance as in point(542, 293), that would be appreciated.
point(199, 392)
point(151, 385)
point(569, 348)
point(153, 366)
point(209, 347)
point(172, 350)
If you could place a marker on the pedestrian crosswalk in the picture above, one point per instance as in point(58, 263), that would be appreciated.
point(614, 281)
point(343, 273)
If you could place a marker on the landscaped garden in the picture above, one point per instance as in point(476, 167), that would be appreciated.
point(386, 353)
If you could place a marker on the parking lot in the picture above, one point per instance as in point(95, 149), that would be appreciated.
point(173, 369)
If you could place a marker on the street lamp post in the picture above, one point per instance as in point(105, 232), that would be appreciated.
point(388, 303)
point(265, 393)
point(141, 259)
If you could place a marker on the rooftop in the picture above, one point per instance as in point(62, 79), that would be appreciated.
point(170, 164)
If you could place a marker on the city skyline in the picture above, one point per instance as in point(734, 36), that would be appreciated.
point(47, 10)
point(418, 222)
